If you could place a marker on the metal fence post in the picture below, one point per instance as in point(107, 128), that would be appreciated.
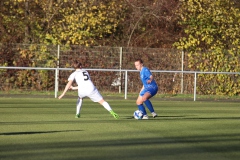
point(126, 77)
point(195, 85)
point(56, 82)
point(120, 66)
point(57, 72)
point(182, 73)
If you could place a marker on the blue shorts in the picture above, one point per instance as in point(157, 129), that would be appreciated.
point(151, 90)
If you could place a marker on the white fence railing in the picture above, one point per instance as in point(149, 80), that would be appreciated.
point(126, 75)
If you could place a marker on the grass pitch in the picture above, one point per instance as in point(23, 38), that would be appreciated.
point(43, 129)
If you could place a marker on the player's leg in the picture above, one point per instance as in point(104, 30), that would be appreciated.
point(150, 93)
point(105, 104)
point(139, 103)
point(95, 96)
point(150, 107)
point(107, 107)
point(78, 108)
point(142, 96)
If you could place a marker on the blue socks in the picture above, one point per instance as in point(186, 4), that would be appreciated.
point(142, 108)
point(149, 105)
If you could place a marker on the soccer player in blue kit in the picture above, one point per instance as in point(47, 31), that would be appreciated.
point(149, 89)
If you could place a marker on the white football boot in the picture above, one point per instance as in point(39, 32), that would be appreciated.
point(154, 114)
point(145, 117)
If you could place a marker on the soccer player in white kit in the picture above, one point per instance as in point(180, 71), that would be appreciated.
point(85, 89)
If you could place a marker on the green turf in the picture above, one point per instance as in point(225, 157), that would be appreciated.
point(45, 129)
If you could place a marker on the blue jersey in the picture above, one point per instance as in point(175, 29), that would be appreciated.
point(145, 74)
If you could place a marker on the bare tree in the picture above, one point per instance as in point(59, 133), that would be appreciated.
point(151, 23)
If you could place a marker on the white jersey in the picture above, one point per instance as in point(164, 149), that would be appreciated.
point(85, 85)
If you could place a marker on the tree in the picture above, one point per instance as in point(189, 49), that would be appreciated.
point(58, 21)
point(11, 22)
point(84, 22)
point(150, 23)
point(212, 41)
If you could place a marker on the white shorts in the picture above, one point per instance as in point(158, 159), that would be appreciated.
point(95, 96)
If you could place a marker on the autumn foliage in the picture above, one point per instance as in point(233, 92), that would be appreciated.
point(207, 31)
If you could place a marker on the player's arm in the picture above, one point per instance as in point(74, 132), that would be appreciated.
point(150, 79)
point(69, 84)
point(142, 88)
point(74, 88)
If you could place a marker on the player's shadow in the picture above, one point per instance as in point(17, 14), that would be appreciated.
point(36, 132)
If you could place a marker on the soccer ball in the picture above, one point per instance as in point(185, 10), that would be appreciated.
point(138, 114)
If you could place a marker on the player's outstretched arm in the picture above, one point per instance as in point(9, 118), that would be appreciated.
point(74, 88)
point(69, 84)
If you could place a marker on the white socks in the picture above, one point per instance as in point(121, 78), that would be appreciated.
point(106, 106)
point(79, 105)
